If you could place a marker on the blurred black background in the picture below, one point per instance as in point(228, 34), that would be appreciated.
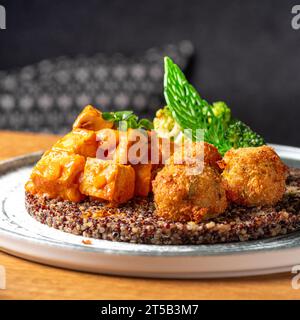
point(247, 53)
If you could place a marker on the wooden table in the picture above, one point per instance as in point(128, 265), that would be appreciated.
point(28, 280)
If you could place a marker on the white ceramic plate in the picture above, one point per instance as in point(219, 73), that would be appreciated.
point(22, 236)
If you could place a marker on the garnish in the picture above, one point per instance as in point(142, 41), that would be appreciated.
point(127, 119)
point(166, 126)
point(187, 107)
point(190, 111)
point(240, 135)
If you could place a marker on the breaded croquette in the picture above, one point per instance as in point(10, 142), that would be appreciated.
point(180, 196)
point(254, 176)
point(195, 152)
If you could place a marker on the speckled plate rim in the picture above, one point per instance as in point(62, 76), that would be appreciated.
point(285, 248)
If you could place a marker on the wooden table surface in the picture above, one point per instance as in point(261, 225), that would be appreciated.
point(28, 280)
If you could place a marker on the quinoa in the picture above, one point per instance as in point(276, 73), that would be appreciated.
point(136, 222)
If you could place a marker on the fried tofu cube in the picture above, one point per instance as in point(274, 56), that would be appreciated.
point(57, 175)
point(78, 141)
point(108, 140)
point(143, 176)
point(90, 118)
point(108, 180)
point(133, 147)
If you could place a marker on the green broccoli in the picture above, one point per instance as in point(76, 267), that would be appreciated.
point(239, 135)
point(222, 111)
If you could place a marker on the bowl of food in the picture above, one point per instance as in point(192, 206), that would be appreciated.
point(194, 183)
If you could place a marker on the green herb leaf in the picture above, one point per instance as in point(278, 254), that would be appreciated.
point(127, 119)
point(190, 111)
point(187, 107)
point(145, 124)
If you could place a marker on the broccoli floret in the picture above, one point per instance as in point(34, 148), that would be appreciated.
point(240, 135)
point(229, 133)
point(165, 125)
point(222, 111)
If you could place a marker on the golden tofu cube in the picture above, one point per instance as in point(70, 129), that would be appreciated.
point(143, 175)
point(90, 118)
point(57, 175)
point(133, 147)
point(78, 141)
point(107, 180)
point(108, 140)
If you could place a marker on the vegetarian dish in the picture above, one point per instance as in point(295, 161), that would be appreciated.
point(195, 174)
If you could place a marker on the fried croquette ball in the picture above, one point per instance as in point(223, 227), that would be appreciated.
point(254, 176)
point(194, 152)
point(180, 196)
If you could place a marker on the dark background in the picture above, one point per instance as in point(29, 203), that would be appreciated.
point(246, 51)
